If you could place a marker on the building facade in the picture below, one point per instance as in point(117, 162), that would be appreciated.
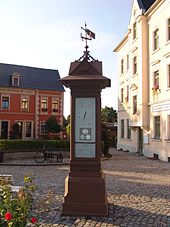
point(28, 97)
point(144, 81)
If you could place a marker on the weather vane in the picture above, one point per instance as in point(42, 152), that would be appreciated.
point(89, 35)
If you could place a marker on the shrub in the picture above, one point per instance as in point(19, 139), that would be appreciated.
point(16, 207)
point(3, 145)
point(34, 144)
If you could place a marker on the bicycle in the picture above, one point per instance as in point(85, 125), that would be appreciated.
point(44, 155)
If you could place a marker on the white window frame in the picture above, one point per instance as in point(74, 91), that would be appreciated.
point(156, 77)
point(155, 133)
point(127, 94)
point(27, 98)
point(8, 96)
point(122, 66)
point(14, 79)
point(122, 129)
point(168, 29)
point(135, 104)
point(134, 30)
point(55, 102)
point(168, 76)
point(44, 109)
point(42, 133)
point(25, 129)
point(156, 39)
point(127, 62)
point(168, 127)
point(1, 126)
point(135, 65)
point(121, 95)
point(128, 129)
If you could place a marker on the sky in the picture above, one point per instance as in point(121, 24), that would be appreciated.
point(46, 34)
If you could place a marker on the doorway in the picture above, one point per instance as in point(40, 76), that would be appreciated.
point(4, 129)
point(20, 125)
point(140, 141)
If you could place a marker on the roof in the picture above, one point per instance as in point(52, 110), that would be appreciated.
point(145, 4)
point(31, 77)
point(86, 73)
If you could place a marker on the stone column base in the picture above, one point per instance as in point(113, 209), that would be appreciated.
point(85, 196)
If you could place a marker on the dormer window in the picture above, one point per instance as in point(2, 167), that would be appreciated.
point(15, 79)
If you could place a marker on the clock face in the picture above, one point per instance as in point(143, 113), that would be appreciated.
point(85, 120)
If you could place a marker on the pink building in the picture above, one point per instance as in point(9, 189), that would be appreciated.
point(28, 97)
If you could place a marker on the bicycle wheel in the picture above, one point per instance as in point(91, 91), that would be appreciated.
point(39, 157)
point(59, 157)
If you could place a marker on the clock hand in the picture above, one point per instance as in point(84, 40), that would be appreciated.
point(85, 114)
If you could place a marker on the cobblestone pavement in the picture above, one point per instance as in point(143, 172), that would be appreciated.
point(138, 192)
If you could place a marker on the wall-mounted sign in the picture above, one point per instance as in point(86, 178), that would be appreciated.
point(163, 107)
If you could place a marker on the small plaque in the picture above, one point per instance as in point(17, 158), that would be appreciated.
point(84, 150)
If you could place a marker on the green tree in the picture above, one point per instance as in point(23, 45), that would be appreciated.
point(52, 125)
point(68, 126)
point(64, 122)
point(68, 119)
point(108, 114)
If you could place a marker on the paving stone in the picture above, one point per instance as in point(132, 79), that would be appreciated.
point(138, 192)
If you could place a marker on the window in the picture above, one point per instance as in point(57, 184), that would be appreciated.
point(43, 128)
point(127, 97)
point(156, 80)
point(24, 104)
point(122, 128)
point(134, 65)
point(134, 30)
point(134, 104)
point(28, 129)
point(55, 105)
point(168, 75)
point(168, 28)
point(44, 104)
point(15, 81)
point(128, 130)
point(157, 127)
point(121, 95)
point(156, 39)
point(127, 59)
point(5, 102)
point(122, 66)
point(168, 127)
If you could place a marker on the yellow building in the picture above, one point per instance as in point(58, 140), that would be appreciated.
point(144, 81)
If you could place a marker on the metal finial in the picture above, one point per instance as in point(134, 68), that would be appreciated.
point(89, 35)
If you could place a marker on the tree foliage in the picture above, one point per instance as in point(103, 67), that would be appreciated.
point(64, 122)
point(108, 114)
point(52, 125)
point(68, 126)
